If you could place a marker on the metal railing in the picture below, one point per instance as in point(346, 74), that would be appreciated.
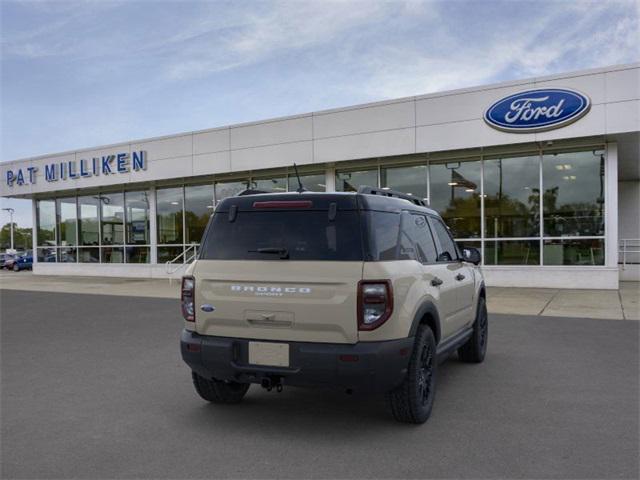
point(181, 261)
point(628, 249)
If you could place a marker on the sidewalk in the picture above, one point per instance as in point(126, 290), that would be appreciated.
point(623, 304)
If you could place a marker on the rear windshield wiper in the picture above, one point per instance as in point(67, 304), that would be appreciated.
point(283, 252)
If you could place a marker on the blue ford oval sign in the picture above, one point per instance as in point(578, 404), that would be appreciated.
point(537, 110)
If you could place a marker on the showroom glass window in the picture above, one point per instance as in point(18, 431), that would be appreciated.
point(573, 197)
point(137, 236)
point(88, 229)
point(67, 229)
point(275, 184)
point(411, 180)
point(229, 189)
point(169, 218)
point(573, 207)
point(112, 227)
point(351, 181)
point(198, 207)
point(455, 195)
point(312, 182)
point(46, 230)
point(169, 208)
point(512, 197)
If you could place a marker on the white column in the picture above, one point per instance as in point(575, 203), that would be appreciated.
point(34, 231)
point(153, 234)
point(611, 205)
point(330, 178)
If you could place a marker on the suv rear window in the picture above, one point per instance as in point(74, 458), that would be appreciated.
point(302, 234)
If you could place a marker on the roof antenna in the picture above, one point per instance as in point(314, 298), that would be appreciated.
point(300, 188)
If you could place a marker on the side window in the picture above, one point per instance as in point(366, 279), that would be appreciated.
point(384, 229)
point(447, 251)
point(417, 230)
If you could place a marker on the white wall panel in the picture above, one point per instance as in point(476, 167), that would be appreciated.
point(623, 85)
point(367, 119)
point(378, 144)
point(469, 134)
point(209, 163)
point(456, 108)
point(271, 133)
point(166, 147)
point(593, 123)
point(212, 141)
point(592, 85)
point(272, 156)
point(623, 117)
point(166, 169)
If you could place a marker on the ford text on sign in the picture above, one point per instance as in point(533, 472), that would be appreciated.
point(537, 110)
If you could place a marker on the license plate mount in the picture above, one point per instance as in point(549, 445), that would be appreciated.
point(269, 354)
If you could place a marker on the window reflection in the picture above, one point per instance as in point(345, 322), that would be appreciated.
point(573, 198)
point(512, 197)
point(455, 195)
point(411, 180)
point(311, 182)
point(67, 213)
point(277, 184)
point(512, 252)
point(137, 218)
point(46, 218)
point(197, 210)
point(112, 218)
point(574, 252)
point(229, 189)
point(169, 207)
point(351, 181)
point(88, 220)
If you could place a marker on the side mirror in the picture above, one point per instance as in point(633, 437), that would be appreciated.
point(471, 255)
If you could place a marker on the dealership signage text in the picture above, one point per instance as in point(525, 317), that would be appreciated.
point(537, 110)
point(74, 169)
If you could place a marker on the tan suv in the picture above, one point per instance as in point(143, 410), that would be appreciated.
point(362, 291)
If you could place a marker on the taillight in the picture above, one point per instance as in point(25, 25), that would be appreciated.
point(375, 303)
point(187, 300)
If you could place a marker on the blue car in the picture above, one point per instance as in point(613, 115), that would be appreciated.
point(24, 262)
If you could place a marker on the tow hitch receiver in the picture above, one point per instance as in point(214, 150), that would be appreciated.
point(269, 383)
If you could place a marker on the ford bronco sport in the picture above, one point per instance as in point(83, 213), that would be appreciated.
point(363, 291)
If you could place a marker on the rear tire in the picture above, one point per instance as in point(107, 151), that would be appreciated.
point(217, 391)
point(412, 401)
point(476, 347)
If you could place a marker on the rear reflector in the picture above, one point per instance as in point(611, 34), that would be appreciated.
point(284, 204)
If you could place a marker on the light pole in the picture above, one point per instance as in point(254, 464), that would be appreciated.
point(11, 212)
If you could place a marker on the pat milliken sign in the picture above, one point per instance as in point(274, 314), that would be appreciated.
point(537, 110)
point(117, 163)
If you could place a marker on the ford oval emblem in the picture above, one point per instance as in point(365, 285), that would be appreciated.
point(537, 110)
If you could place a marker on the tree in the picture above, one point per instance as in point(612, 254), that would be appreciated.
point(21, 237)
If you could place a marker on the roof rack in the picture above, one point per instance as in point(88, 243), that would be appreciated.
point(250, 191)
point(391, 193)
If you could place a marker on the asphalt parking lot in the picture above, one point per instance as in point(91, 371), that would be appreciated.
point(94, 387)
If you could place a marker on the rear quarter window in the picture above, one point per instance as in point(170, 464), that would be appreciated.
point(304, 234)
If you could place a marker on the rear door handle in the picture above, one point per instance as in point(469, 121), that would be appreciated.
point(436, 282)
point(460, 277)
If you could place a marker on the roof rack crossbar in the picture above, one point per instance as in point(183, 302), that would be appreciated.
point(250, 191)
point(391, 193)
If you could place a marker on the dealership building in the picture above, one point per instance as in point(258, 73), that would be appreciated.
point(541, 174)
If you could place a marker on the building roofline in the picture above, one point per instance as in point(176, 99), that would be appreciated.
point(445, 93)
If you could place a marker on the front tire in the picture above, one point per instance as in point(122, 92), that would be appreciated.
point(475, 349)
point(217, 391)
point(16, 268)
point(412, 401)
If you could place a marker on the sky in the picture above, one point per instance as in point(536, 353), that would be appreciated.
point(87, 73)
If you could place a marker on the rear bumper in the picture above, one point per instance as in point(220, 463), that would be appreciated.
point(368, 366)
